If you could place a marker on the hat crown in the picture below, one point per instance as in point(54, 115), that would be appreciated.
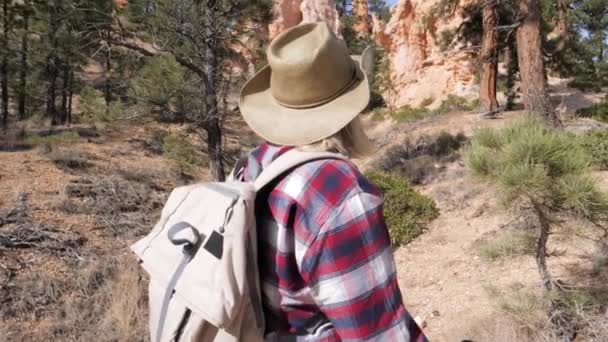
point(310, 66)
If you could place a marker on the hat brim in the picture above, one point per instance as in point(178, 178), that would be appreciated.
point(281, 125)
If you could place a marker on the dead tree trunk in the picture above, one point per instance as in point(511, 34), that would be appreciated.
point(4, 66)
point(531, 64)
point(24, 65)
point(489, 58)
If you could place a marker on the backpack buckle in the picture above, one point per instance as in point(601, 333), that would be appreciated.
point(190, 246)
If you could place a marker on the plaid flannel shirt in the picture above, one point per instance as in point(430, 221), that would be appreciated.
point(325, 257)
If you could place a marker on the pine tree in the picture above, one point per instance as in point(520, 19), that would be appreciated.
point(198, 35)
point(489, 57)
point(6, 28)
point(531, 63)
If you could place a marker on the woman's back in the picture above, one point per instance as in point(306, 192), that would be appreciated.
point(325, 258)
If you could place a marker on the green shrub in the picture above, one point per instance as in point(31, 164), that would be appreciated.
point(405, 210)
point(408, 113)
point(160, 88)
point(427, 101)
point(586, 83)
point(541, 172)
point(177, 148)
point(598, 111)
point(528, 160)
point(93, 107)
point(596, 144)
point(456, 103)
point(50, 141)
point(446, 38)
point(509, 243)
point(418, 160)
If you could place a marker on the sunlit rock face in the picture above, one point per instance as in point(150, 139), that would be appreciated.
point(286, 14)
point(289, 13)
point(419, 69)
point(363, 23)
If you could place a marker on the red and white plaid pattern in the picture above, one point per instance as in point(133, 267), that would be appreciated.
point(324, 247)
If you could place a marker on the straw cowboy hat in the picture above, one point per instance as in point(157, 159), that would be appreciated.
point(310, 89)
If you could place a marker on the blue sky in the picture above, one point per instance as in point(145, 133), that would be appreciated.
point(392, 2)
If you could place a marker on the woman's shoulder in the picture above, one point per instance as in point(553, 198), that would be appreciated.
point(326, 181)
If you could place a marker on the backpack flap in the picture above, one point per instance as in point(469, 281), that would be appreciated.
point(198, 250)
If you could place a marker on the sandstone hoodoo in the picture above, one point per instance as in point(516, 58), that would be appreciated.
point(289, 13)
point(419, 68)
point(362, 25)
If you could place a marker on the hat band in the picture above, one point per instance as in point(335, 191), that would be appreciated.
point(325, 100)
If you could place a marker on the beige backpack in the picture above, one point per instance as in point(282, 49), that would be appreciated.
point(202, 259)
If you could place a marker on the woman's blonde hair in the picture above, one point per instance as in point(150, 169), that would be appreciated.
point(350, 141)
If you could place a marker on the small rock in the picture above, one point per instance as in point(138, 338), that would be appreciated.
point(420, 321)
point(435, 313)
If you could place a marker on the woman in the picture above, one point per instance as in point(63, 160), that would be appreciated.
point(326, 263)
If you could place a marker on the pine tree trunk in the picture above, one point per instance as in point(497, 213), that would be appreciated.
point(70, 96)
point(24, 66)
point(4, 66)
point(531, 64)
point(64, 93)
point(51, 65)
point(212, 125)
point(511, 63)
point(108, 83)
point(489, 59)
point(541, 247)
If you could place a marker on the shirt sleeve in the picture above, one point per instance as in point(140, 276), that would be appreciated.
point(350, 269)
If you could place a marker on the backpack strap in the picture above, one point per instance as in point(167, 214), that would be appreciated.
point(288, 161)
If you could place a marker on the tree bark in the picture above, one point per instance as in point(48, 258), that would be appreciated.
point(64, 93)
point(108, 75)
point(211, 119)
point(541, 247)
point(212, 114)
point(4, 66)
point(489, 58)
point(70, 96)
point(511, 63)
point(24, 64)
point(51, 65)
point(535, 92)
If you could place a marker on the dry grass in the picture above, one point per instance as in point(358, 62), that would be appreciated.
point(124, 207)
point(69, 159)
point(421, 159)
point(102, 299)
point(509, 243)
point(523, 315)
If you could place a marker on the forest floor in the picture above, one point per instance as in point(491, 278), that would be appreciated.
point(445, 280)
point(68, 214)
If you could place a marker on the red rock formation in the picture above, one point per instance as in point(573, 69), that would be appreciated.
point(362, 24)
point(321, 10)
point(419, 69)
point(121, 3)
point(289, 13)
point(378, 34)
